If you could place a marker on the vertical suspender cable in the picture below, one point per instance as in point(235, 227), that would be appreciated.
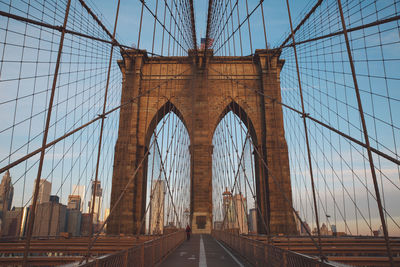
point(248, 24)
point(140, 25)
point(44, 141)
point(101, 132)
point(194, 40)
point(263, 21)
point(306, 133)
point(366, 137)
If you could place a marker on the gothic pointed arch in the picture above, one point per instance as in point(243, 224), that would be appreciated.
point(200, 98)
point(243, 116)
point(160, 114)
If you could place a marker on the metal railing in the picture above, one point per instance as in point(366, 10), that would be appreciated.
point(148, 253)
point(262, 254)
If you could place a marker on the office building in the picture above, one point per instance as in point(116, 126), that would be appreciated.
point(79, 190)
point(106, 214)
point(97, 201)
point(85, 224)
point(44, 191)
point(235, 212)
point(14, 224)
point(253, 221)
point(324, 230)
point(6, 197)
point(74, 215)
point(241, 210)
point(73, 223)
point(157, 207)
point(50, 218)
point(334, 230)
point(74, 202)
point(229, 212)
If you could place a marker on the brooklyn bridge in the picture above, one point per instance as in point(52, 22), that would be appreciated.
point(200, 133)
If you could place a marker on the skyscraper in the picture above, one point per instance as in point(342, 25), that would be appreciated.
point(253, 220)
point(241, 211)
point(80, 190)
point(106, 214)
point(229, 212)
point(74, 215)
point(157, 207)
point(15, 222)
point(235, 212)
point(73, 223)
point(44, 191)
point(50, 218)
point(97, 200)
point(6, 195)
point(74, 202)
point(301, 228)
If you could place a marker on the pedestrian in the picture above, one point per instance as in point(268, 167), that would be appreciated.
point(188, 230)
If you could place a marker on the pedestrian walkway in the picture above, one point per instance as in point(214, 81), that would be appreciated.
point(202, 251)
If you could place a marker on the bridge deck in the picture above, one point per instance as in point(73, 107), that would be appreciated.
point(203, 250)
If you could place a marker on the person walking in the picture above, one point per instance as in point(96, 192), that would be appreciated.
point(188, 230)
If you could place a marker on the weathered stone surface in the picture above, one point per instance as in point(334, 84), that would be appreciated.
point(201, 93)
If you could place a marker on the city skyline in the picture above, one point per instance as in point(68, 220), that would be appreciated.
point(268, 127)
point(345, 166)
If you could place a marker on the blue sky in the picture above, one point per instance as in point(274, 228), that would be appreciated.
point(275, 15)
point(327, 85)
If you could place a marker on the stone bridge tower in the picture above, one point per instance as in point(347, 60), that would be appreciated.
point(201, 89)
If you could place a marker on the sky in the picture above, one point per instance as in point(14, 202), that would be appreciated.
point(276, 19)
point(344, 162)
point(340, 160)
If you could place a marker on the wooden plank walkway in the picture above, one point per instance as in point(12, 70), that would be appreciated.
point(202, 251)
